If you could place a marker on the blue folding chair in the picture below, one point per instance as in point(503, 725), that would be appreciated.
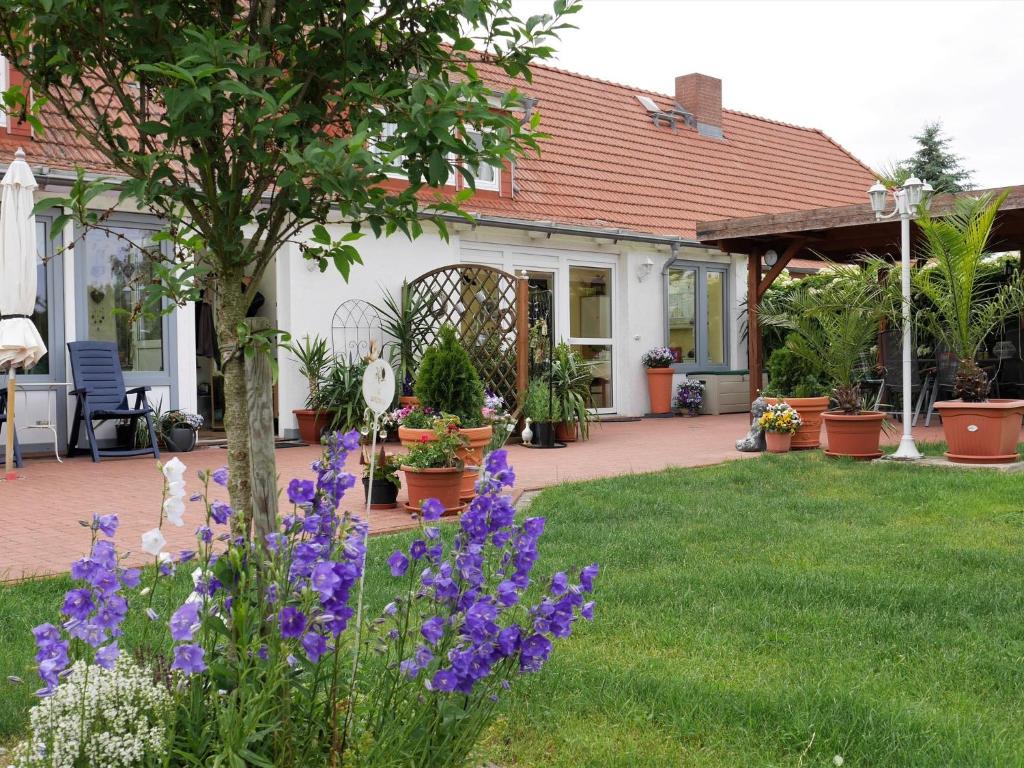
point(3, 420)
point(101, 396)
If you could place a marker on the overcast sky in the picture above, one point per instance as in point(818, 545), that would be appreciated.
point(868, 73)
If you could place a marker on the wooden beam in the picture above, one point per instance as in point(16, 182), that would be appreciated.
point(754, 341)
point(259, 382)
point(787, 256)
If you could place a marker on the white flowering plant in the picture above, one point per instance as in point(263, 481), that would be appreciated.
point(116, 718)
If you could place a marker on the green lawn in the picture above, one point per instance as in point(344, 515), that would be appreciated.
point(771, 612)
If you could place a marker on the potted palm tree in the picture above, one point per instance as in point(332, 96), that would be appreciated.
point(832, 327)
point(405, 320)
point(960, 309)
point(313, 358)
point(570, 377)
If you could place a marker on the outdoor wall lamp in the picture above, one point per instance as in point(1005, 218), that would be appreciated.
point(908, 198)
point(644, 270)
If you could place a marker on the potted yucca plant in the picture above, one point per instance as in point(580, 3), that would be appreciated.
point(960, 308)
point(313, 358)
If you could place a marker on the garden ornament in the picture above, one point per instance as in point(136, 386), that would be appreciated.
point(754, 441)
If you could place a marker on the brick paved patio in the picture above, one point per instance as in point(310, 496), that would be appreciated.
point(39, 532)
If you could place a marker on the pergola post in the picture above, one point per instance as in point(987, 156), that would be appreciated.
point(754, 342)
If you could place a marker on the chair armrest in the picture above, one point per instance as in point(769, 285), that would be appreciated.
point(137, 390)
point(79, 392)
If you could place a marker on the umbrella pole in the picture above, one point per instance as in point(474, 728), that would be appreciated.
point(9, 447)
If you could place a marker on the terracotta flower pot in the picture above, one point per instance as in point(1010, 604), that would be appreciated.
point(312, 424)
point(778, 442)
point(808, 436)
point(659, 388)
point(981, 433)
point(566, 431)
point(473, 456)
point(406, 401)
point(442, 484)
point(852, 435)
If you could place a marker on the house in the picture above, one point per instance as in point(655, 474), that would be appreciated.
point(604, 218)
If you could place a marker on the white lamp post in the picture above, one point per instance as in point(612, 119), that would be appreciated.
point(908, 198)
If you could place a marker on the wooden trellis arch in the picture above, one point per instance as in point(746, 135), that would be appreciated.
point(488, 309)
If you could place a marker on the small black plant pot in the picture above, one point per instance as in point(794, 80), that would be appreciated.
point(180, 439)
point(125, 435)
point(544, 434)
point(384, 494)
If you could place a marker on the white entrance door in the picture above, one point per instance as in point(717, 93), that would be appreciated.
point(590, 328)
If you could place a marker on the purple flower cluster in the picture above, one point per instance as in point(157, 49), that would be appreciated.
point(94, 611)
point(473, 629)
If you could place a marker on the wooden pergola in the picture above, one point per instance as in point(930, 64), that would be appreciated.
point(838, 234)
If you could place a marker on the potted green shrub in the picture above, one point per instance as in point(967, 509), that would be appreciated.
point(381, 488)
point(799, 383)
point(434, 466)
point(570, 377)
point(179, 429)
point(831, 328)
point(313, 357)
point(447, 383)
point(540, 407)
point(960, 309)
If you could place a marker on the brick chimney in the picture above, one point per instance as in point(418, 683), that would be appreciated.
point(702, 95)
point(16, 127)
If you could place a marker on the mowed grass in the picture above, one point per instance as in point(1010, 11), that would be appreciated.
point(771, 612)
point(781, 611)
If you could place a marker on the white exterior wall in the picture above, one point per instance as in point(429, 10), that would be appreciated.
point(307, 299)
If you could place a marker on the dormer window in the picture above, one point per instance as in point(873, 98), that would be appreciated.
point(387, 131)
point(486, 175)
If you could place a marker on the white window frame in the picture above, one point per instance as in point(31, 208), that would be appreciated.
point(387, 131)
point(492, 185)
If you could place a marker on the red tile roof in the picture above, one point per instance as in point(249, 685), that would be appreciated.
point(607, 165)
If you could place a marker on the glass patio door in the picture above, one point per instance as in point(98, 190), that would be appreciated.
point(590, 328)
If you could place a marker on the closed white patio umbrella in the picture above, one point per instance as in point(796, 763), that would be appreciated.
point(20, 343)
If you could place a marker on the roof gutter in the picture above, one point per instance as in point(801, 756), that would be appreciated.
point(46, 176)
point(569, 230)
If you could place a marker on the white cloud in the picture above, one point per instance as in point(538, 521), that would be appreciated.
point(869, 74)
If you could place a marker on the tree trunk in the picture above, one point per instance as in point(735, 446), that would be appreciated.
point(230, 313)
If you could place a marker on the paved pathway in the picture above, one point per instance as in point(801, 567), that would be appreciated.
point(39, 512)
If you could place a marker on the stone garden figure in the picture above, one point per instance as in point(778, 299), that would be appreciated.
point(754, 441)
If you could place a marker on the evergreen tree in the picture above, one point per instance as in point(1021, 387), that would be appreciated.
point(935, 163)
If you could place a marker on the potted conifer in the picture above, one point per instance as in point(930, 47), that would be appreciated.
point(448, 384)
point(960, 308)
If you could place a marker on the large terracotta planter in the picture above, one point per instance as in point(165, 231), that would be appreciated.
point(778, 442)
point(407, 401)
point(312, 424)
point(659, 389)
point(473, 456)
point(852, 435)
point(981, 433)
point(566, 431)
point(442, 484)
point(808, 436)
